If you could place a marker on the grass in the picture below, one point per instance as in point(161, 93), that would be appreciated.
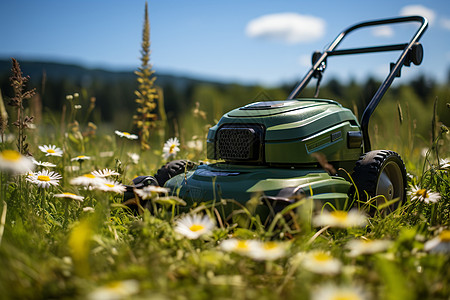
point(63, 248)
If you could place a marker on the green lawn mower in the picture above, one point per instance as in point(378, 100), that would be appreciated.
point(284, 150)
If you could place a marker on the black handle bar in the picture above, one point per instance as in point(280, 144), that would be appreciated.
point(395, 68)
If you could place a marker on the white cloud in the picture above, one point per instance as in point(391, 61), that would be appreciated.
point(418, 10)
point(445, 23)
point(290, 28)
point(383, 31)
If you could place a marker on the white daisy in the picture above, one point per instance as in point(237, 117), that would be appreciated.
point(43, 163)
point(86, 180)
point(88, 209)
point(111, 186)
point(134, 157)
point(243, 247)
point(441, 243)
point(320, 262)
point(69, 196)
point(423, 195)
point(268, 250)
point(361, 247)
point(194, 226)
point(44, 178)
point(444, 164)
point(171, 148)
point(150, 191)
point(51, 150)
point(105, 173)
point(116, 290)
point(332, 292)
point(80, 158)
point(341, 219)
point(13, 162)
point(126, 135)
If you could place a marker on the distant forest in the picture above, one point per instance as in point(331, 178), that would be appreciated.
point(115, 100)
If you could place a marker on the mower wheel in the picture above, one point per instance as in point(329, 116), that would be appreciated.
point(172, 169)
point(380, 172)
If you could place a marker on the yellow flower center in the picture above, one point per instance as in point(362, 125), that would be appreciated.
point(126, 133)
point(322, 256)
point(10, 155)
point(242, 245)
point(69, 194)
point(81, 156)
point(172, 148)
point(196, 227)
point(422, 192)
point(109, 185)
point(270, 245)
point(89, 176)
point(43, 178)
point(346, 296)
point(50, 151)
point(339, 214)
point(444, 236)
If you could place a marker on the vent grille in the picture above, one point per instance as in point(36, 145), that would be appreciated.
point(240, 142)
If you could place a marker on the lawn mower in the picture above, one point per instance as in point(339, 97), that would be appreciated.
point(298, 147)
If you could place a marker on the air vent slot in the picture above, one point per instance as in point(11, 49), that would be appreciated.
point(240, 142)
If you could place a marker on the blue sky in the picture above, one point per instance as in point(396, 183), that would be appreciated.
point(262, 41)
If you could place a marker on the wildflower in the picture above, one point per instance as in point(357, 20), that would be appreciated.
point(194, 226)
point(69, 97)
point(441, 243)
point(105, 173)
point(88, 209)
point(340, 218)
point(44, 178)
point(243, 247)
point(116, 290)
point(43, 164)
point(80, 158)
point(423, 195)
point(111, 186)
point(360, 247)
point(444, 164)
point(126, 135)
point(134, 157)
point(332, 292)
point(69, 196)
point(51, 150)
point(268, 250)
point(150, 191)
point(320, 262)
point(13, 162)
point(171, 148)
point(86, 180)
point(77, 106)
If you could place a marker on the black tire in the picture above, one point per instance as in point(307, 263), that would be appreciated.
point(380, 172)
point(172, 169)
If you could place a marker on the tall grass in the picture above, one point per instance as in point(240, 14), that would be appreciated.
point(60, 247)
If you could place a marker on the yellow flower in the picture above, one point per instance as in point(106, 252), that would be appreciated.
point(423, 195)
point(320, 262)
point(51, 150)
point(441, 243)
point(340, 218)
point(171, 148)
point(13, 162)
point(194, 226)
